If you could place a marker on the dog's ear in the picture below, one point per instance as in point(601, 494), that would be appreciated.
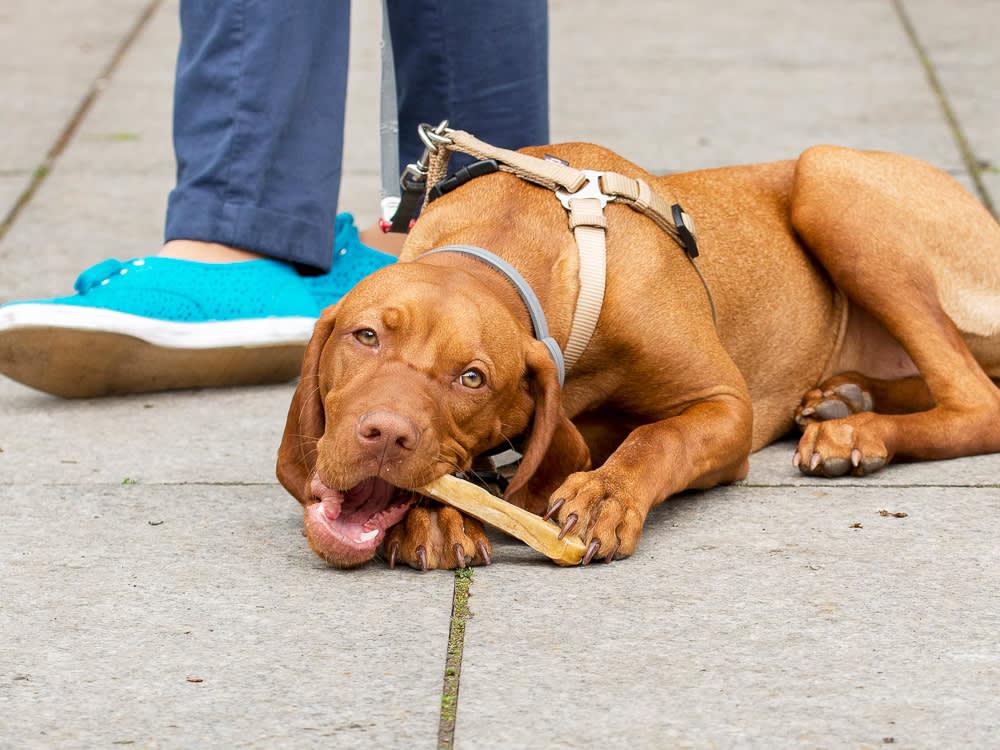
point(555, 448)
point(306, 421)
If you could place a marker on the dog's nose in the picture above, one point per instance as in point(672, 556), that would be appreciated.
point(388, 432)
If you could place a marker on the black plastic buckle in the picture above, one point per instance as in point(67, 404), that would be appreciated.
point(462, 176)
point(685, 230)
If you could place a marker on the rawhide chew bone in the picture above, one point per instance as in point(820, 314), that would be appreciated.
point(531, 529)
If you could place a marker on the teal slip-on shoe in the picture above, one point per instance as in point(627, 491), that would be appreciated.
point(352, 261)
point(154, 323)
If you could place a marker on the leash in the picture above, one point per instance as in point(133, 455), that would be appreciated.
point(388, 127)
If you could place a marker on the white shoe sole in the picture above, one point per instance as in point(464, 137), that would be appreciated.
point(79, 352)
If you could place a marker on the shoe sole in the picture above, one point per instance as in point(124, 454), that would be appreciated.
point(78, 352)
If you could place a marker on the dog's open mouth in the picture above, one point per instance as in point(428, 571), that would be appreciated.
point(345, 527)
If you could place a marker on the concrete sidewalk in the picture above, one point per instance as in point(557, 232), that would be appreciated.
point(155, 590)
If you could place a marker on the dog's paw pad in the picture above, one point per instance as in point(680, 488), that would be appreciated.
point(837, 402)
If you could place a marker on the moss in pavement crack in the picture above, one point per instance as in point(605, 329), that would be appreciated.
point(453, 661)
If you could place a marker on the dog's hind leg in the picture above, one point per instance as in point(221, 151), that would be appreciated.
point(922, 257)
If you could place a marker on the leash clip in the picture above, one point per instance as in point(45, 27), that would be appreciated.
point(415, 174)
point(433, 138)
point(590, 189)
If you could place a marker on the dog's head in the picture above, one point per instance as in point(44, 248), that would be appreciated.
point(411, 375)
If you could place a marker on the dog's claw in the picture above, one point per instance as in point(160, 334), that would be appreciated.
point(422, 556)
point(591, 551)
point(570, 523)
point(393, 550)
point(554, 509)
point(459, 555)
point(484, 553)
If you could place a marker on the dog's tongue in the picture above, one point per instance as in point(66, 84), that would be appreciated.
point(365, 500)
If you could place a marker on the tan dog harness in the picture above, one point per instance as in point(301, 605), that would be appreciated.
point(583, 193)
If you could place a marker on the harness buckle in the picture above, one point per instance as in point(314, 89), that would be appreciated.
point(590, 189)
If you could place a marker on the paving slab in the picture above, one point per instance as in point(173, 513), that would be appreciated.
point(221, 435)
point(197, 617)
point(991, 180)
point(106, 194)
point(12, 183)
point(750, 617)
point(678, 85)
point(52, 53)
point(960, 39)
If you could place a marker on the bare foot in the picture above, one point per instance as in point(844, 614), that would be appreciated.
point(205, 252)
point(386, 242)
point(213, 252)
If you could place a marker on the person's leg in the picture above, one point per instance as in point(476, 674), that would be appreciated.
point(258, 129)
point(483, 66)
point(258, 135)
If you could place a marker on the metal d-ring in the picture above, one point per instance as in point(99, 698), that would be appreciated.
point(432, 138)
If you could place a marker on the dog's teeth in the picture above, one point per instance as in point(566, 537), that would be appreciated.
point(369, 535)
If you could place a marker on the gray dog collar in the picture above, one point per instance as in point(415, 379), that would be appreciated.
point(525, 291)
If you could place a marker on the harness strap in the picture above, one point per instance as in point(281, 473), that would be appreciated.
point(637, 194)
point(583, 193)
point(586, 220)
point(548, 174)
point(524, 290)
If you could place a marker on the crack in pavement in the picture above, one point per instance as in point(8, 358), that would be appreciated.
point(460, 615)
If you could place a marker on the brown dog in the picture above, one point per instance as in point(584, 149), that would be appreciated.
point(868, 282)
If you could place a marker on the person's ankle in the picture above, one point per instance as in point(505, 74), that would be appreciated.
point(385, 242)
point(205, 252)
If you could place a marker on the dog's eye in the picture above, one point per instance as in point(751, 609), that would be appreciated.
point(472, 378)
point(367, 336)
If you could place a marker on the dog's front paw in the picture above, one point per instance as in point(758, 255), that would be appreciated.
point(437, 537)
point(837, 398)
point(832, 449)
point(599, 507)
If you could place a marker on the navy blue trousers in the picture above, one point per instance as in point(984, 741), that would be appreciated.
point(259, 106)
